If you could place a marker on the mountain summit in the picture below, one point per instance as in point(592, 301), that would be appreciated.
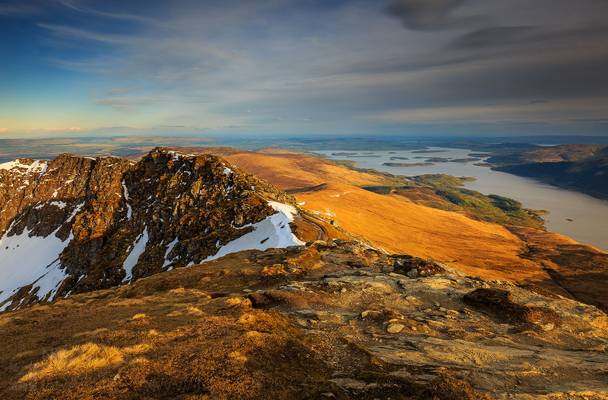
point(77, 224)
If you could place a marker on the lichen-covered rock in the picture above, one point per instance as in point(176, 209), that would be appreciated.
point(415, 266)
point(298, 335)
point(500, 304)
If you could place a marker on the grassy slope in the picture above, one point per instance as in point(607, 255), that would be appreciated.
point(173, 333)
point(492, 208)
point(446, 193)
point(392, 222)
point(290, 324)
point(422, 224)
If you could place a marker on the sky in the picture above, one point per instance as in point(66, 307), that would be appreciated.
point(386, 67)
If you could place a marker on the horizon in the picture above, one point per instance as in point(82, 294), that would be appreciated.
point(443, 68)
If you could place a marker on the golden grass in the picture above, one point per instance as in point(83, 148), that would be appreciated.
point(400, 226)
point(81, 359)
point(288, 170)
point(136, 348)
point(191, 310)
point(393, 223)
point(75, 361)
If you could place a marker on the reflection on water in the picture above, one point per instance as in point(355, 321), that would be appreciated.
point(574, 214)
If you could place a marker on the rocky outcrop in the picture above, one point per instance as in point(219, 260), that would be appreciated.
point(330, 320)
point(77, 223)
point(499, 303)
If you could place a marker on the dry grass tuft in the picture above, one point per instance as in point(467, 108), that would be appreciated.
point(74, 361)
point(238, 357)
point(191, 310)
point(178, 291)
point(247, 319)
point(82, 359)
point(137, 349)
point(274, 270)
point(238, 302)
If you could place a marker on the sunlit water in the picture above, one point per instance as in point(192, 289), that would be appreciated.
point(574, 214)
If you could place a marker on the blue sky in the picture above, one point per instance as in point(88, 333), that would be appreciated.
point(411, 67)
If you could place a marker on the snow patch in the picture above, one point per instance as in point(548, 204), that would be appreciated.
point(272, 232)
point(176, 155)
point(16, 165)
point(170, 247)
point(137, 250)
point(26, 260)
point(59, 204)
point(75, 211)
point(125, 192)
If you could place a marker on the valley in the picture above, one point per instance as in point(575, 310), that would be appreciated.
point(569, 212)
point(404, 225)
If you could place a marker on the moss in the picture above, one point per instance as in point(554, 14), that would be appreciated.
point(446, 192)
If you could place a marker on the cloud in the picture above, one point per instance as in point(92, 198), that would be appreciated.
point(493, 36)
point(307, 66)
point(529, 36)
point(68, 32)
point(127, 103)
point(18, 9)
point(430, 14)
point(68, 129)
point(554, 112)
point(75, 5)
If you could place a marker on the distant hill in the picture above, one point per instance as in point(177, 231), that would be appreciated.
point(579, 167)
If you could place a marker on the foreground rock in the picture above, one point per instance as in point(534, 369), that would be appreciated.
point(328, 320)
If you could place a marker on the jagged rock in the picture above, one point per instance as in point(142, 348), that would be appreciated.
point(499, 302)
point(90, 223)
point(300, 339)
point(373, 315)
point(395, 328)
point(415, 266)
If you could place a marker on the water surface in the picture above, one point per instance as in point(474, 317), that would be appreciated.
point(582, 217)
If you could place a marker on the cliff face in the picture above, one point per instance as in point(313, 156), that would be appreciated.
point(77, 224)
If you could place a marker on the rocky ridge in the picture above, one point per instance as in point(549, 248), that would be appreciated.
point(77, 224)
point(335, 320)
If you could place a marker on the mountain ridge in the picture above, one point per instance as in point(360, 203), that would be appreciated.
point(81, 223)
